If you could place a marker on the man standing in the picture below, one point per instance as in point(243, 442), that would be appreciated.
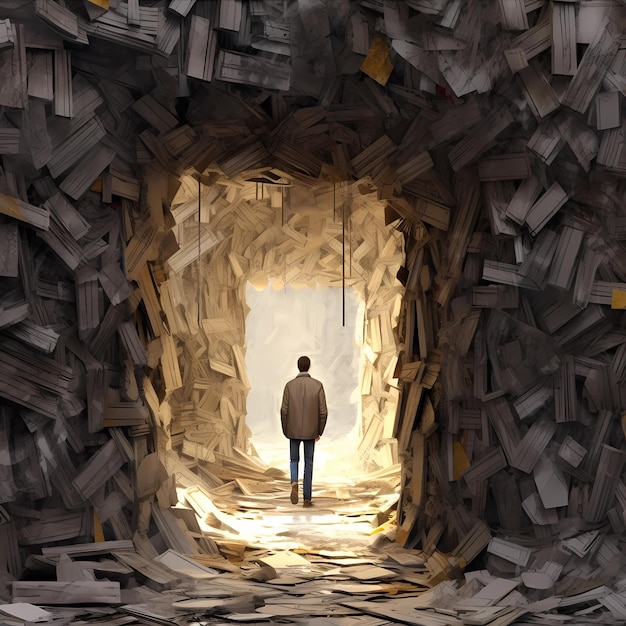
point(303, 416)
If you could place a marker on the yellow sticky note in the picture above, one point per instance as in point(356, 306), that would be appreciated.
point(377, 64)
point(10, 206)
point(98, 533)
point(618, 299)
point(96, 186)
point(461, 460)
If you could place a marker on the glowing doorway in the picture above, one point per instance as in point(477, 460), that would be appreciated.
point(281, 326)
point(232, 233)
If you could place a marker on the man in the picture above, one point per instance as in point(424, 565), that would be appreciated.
point(303, 416)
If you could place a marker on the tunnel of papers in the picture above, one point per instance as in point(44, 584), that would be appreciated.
point(459, 164)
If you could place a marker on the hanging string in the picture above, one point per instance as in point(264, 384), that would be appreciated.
point(199, 274)
point(350, 244)
point(343, 259)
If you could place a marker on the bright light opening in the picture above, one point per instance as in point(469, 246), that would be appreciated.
point(281, 326)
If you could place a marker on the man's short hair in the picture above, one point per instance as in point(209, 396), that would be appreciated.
point(304, 363)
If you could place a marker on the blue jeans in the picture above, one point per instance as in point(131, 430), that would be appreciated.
point(294, 460)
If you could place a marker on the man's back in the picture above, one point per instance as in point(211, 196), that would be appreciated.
point(303, 416)
point(303, 411)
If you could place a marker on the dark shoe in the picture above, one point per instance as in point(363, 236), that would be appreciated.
point(294, 493)
point(307, 503)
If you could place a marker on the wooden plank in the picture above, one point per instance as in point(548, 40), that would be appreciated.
point(75, 592)
point(59, 17)
point(591, 71)
point(234, 67)
point(201, 49)
point(63, 100)
point(14, 83)
point(564, 59)
point(82, 176)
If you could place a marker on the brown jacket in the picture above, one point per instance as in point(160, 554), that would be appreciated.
point(303, 412)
